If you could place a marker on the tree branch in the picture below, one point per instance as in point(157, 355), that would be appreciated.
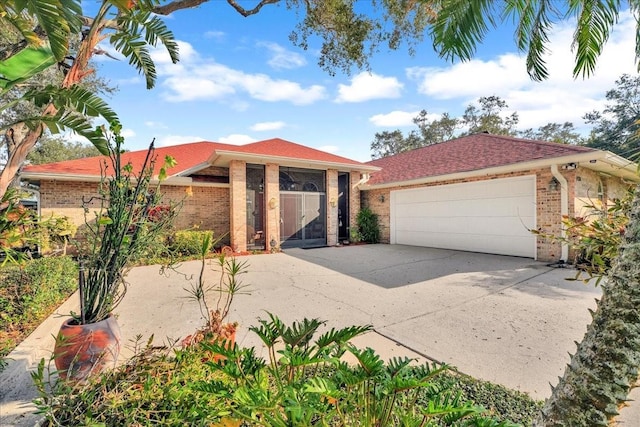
point(188, 4)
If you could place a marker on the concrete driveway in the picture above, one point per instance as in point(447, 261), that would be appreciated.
point(509, 320)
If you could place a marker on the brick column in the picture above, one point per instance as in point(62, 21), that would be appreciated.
point(272, 208)
point(238, 202)
point(354, 201)
point(332, 207)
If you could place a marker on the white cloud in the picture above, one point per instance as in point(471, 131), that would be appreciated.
point(367, 86)
point(197, 79)
point(155, 125)
point(394, 118)
point(127, 133)
point(130, 81)
point(166, 140)
point(560, 98)
point(236, 139)
point(161, 57)
point(264, 126)
point(282, 58)
point(216, 35)
point(329, 149)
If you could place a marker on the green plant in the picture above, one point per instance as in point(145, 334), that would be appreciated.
point(368, 225)
point(18, 231)
point(304, 385)
point(29, 293)
point(223, 292)
point(127, 222)
point(58, 230)
point(596, 237)
point(354, 235)
point(189, 242)
point(310, 383)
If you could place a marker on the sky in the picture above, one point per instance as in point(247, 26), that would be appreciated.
point(240, 80)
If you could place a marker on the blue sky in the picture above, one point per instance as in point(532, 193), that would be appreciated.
point(241, 80)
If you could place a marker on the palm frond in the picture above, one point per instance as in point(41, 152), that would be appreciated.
point(58, 18)
point(138, 30)
point(20, 22)
point(534, 21)
point(595, 19)
point(459, 26)
point(76, 123)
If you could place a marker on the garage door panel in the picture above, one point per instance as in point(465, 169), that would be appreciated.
point(487, 216)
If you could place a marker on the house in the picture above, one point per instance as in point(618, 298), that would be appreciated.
point(271, 193)
point(482, 193)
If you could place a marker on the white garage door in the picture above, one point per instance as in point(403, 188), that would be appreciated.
point(486, 216)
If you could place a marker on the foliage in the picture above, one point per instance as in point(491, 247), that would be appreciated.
point(354, 235)
point(616, 127)
point(18, 231)
point(125, 225)
point(305, 383)
point(498, 400)
point(487, 117)
point(189, 242)
point(224, 291)
point(29, 293)
point(555, 132)
point(368, 225)
point(49, 150)
point(461, 25)
point(58, 230)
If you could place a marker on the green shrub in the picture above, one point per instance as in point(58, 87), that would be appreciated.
point(304, 383)
point(189, 242)
point(368, 226)
point(29, 293)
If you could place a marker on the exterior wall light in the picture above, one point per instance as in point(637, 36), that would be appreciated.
point(554, 185)
point(381, 198)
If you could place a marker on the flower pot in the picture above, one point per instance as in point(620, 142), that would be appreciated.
point(84, 350)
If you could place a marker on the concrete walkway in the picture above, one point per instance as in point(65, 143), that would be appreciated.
point(509, 320)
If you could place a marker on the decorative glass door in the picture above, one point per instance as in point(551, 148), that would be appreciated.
point(303, 215)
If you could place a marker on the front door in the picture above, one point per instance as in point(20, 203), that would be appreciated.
point(303, 211)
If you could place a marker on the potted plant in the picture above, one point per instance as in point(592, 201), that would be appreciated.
point(216, 327)
point(126, 223)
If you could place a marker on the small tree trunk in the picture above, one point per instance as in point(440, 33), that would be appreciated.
point(605, 366)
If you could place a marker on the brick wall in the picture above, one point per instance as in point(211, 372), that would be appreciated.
point(238, 198)
point(332, 210)
point(354, 200)
point(207, 207)
point(272, 208)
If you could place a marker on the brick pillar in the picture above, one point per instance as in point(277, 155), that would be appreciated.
point(354, 201)
point(238, 202)
point(332, 207)
point(272, 201)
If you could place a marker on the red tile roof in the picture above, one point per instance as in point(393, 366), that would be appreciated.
point(468, 153)
point(190, 155)
point(281, 148)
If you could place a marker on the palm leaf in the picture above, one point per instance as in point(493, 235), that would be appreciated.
point(24, 65)
point(20, 22)
point(128, 40)
point(459, 26)
point(78, 124)
point(58, 18)
point(532, 32)
point(595, 19)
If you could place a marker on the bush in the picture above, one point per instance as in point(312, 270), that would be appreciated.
point(304, 383)
point(189, 242)
point(30, 293)
point(368, 226)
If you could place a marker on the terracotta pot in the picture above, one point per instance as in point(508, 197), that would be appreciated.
point(84, 350)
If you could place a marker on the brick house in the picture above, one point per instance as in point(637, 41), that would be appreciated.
point(484, 192)
point(260, 195)
point(481, 193)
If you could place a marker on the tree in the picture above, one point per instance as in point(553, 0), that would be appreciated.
point(488, 117)
point(49, 150)
point(617, 127)
point(606, 363)
point(554, 132)
point(348, 38)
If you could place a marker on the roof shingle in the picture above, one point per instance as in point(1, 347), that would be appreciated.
point(464, 154)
